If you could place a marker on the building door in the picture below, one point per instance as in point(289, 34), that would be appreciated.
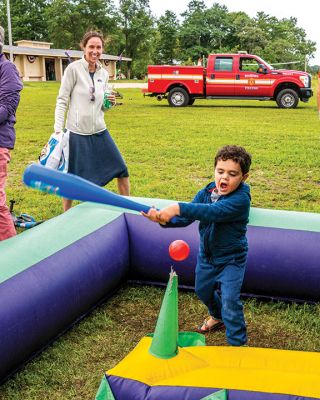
point(50, 70)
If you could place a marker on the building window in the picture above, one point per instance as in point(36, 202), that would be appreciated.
point(31, 59)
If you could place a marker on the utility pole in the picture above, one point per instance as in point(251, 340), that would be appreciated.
point(318, 94)
point(305, 63)
point(9, 30)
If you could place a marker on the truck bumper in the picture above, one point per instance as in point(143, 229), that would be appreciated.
point(305, 94)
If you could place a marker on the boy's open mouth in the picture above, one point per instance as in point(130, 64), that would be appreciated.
point(223, 185)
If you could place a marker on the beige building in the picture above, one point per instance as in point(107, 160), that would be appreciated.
point(36, 61)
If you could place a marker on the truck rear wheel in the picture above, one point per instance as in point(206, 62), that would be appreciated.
point(287, 98)
point(178, 97)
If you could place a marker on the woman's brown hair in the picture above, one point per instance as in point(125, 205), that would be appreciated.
point(88, 35)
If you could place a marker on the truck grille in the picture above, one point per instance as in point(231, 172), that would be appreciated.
point(309, 81)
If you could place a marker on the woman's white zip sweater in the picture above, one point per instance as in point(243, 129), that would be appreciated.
point(84, 115)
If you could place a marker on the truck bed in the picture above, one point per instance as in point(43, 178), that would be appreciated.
point(161, 77)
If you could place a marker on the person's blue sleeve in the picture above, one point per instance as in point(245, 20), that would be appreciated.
point(10, 91)
point(227, 210)
point(179, 222)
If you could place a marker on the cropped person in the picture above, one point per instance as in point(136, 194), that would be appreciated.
point(93, 155)
point(222, 208)
point(10, 87)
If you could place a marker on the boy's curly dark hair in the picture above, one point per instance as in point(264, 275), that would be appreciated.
point(236, 153)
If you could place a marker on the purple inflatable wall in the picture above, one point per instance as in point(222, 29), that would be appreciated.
point(282, 263)
point(39, 303)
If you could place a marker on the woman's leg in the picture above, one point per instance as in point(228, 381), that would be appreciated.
point(66, 204)
point(124, 186)
point(7, 228)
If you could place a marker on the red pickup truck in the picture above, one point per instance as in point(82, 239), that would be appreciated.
point(228, 76)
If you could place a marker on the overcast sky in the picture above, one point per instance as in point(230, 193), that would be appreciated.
point(305, 11)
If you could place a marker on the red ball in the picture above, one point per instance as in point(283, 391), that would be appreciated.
point(179, 250)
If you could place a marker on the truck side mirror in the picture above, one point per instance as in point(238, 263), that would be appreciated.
point(262, 69)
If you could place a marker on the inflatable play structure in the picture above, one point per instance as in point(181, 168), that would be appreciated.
point(171, 365)
point(55, 273)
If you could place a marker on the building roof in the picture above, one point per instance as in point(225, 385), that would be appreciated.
point(37, 51)
point(34, 43)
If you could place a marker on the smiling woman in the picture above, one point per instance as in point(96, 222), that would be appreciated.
point(93, 155)
point(92, 47)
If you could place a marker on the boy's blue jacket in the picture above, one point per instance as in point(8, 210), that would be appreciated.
point(223, 224)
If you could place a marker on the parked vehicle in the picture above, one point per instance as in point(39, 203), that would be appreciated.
point(228, 76)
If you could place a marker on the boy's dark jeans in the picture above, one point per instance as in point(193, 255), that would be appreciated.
point(229, 307)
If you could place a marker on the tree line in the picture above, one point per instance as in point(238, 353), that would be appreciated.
point(132, 30)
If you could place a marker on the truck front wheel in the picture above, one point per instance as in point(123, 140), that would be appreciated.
point(178, 97)
point(287, 98)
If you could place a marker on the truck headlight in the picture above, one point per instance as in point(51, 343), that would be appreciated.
point(305, 80)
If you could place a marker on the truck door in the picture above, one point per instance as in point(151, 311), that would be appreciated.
point(220, 77)
point(251, 80)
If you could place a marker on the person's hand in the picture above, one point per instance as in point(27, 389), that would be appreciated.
point(162, 216)
point(152, 214)
point(167, 213)
point(112, 98)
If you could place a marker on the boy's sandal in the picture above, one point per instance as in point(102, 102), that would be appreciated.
point(217, 326)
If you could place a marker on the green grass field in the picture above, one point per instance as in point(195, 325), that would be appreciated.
point(170, 155)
